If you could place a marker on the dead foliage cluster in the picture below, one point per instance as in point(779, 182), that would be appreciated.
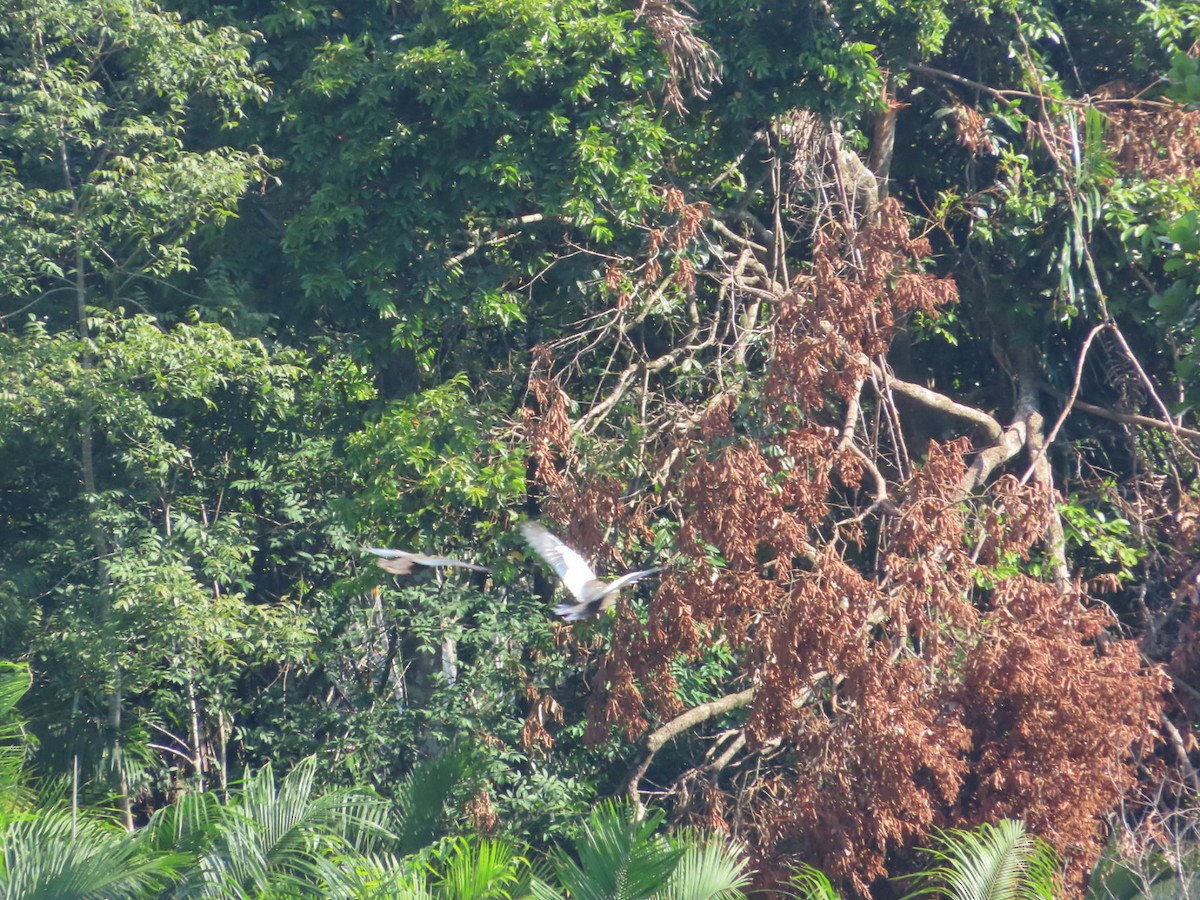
point(1159, 140)
point(892, 693)
point(692, 65)
point(971, 130)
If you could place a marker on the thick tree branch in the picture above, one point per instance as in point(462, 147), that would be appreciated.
point(658, 738)
point(941, 403)
point(923, 395)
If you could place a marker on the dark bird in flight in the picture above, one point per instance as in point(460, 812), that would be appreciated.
point(401, 562)
point(594, 595)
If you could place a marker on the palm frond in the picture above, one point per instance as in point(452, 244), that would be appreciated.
point(992, 862)
point(372, 877)
point(711, 868)
point(478, 869)
point(54, 854)
point(277, 836)
point(812, 884)
point(14, 682)
point(14, 744)
point(421, 797)
point(619, 857)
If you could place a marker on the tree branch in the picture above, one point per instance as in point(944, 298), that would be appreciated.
point(1127, 418)
point(940, 402)
point(658, 738)
point(1062, 417)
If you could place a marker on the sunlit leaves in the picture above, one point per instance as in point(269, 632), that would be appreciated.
point(208, 493)
point(99, 113)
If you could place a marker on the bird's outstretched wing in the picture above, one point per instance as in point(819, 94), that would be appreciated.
point(567, 564)
point(400, 562)
point(628, 578)
point(600, 597)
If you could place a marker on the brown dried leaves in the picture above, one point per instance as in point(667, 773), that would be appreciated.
point(1058, 714)
point(845, 310)
point(900, 697)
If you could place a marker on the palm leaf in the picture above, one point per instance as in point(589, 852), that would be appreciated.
point(710, 869)
point(478, 870)
point(619, 858)
point(14, 792)
point(993, 862)
point(54, 854)
point(812, 884)
point(14, 682)
point(277, 837)
point(372, 877)
point(421, 797)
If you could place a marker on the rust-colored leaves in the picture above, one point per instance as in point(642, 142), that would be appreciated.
point(892, 693)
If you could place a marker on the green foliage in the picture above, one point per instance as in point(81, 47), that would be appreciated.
point(1117, 879)
point(211, 484)
point(992, 862)
point(1108, 539)
point(294, 839)
point(545, 117)
point(103, 168)
point(441, 452)
point(56, 853)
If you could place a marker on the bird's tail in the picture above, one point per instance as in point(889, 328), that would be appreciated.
point(572, 612)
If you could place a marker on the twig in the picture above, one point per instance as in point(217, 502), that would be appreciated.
point(1175, 739)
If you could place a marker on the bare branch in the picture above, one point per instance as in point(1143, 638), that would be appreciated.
point(1128, 418)
point(496, 239)
point(658, 738)
point(941, 403)
point(1005, 95)
point(1066, 411)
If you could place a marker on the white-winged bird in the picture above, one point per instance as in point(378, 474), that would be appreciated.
point(594, 595)
point(400, 562)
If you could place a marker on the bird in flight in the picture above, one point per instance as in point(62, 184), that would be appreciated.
point(594, 595)
point(401, 562)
